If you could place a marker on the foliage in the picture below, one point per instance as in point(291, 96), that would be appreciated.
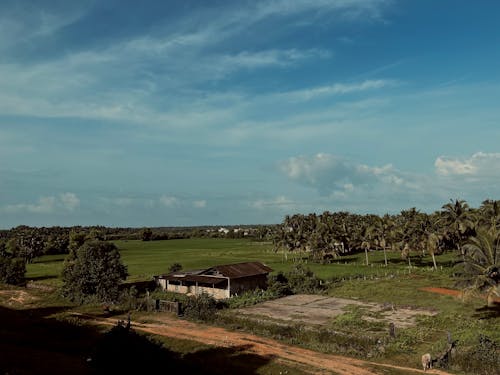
point(301, 279)
point(482, 358)
point(482, 260)
point(12, 270)
point(175, 267)
point(93, 271)
point(201, 307)
point(147, 234)
point(253, 297)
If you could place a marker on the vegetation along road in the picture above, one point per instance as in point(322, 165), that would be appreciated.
point(317, 362)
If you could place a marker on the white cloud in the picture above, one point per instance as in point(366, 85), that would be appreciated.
point(340, 89)
point(329, 173)
point(169, 201)
point(70, 201)
point(200, 204)
point(479, 164)
point(267, 58)
point(46, 205)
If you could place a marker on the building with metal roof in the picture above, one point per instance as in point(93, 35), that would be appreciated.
point(222, 281)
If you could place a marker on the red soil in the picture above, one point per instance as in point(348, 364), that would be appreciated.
point(451, 292)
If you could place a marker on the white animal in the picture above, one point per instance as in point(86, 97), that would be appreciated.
point(426, 361)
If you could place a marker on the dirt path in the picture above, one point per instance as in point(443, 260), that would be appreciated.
point(318, 363)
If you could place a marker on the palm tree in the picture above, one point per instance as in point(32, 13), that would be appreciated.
point(380, 229)
point(432, 246)
point(490, 213)
point(482, 262)
point(459, 221)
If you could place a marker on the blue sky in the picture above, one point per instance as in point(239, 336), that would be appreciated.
point(153, 113)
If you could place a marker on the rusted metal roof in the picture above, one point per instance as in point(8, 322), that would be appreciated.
point(232, 271)
point(237, 270)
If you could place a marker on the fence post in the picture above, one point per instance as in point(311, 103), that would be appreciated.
point(392, 330)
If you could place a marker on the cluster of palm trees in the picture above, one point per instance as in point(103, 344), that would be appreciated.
point(473, 233)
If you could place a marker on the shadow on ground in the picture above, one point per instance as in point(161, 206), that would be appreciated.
point(34, 343)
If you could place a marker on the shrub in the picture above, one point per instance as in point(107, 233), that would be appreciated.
point(175, 267)
point(302, 280)
point(201, 307)
point(12, 270)
point(482, 358)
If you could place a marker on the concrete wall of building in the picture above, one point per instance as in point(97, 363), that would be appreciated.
point(217, 293)
point(237, 286)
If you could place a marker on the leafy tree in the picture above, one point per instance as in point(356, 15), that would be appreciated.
point(12, 270)
point(30, 245)
point(94, 271)
point(147, 234)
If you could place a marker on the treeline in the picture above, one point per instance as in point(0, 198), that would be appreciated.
point(30, 242)
point(328, 235)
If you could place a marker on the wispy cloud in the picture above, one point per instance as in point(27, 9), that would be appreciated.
point(200, 204)
point(169, 201)
point(280, 202)
point(341, 89)
point(46, 205)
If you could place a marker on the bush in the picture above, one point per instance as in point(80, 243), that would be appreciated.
point(302, 280)
point(12, 270)
point(483, 358)
point(175, 267)
point(202, 307)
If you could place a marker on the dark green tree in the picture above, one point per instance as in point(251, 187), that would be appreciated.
point(76, 240)
point(175, 267)
point(147, 234)
point(12, 270)
point(94, 271)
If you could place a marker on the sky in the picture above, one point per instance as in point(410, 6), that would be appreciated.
point(182, 113)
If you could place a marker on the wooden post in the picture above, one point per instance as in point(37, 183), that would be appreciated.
point(392, 330)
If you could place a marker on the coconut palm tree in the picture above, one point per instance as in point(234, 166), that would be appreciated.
point(482, 261)
point(489, 213)
point(459, 222)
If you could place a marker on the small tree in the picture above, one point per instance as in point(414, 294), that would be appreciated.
point(147, 234)
point(95, 271)
point(12, 270)
point(175, 267)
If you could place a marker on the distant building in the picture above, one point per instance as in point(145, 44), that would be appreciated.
point(219, 281)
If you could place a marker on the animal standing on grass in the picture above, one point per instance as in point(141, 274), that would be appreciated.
point(426, 361)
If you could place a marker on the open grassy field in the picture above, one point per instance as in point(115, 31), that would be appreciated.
point(349, 277)
point(146, 259)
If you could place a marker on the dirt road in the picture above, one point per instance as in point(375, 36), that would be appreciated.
point(318, 363)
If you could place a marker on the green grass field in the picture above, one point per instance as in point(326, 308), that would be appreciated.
point(396, 283)
point(146, 259)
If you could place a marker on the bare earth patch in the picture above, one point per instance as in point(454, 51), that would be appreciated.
point(319, 310)
point(16, 298)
